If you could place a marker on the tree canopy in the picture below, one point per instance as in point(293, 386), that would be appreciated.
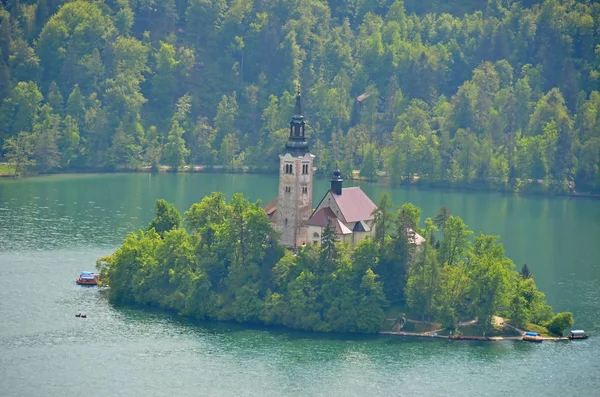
point(228, 265)
point(499, 94)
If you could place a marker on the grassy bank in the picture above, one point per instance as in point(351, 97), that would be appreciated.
point(7, 170)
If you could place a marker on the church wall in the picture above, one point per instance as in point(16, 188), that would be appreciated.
point(357, 237)
point(353, 238)
point(346, 238)
point(294, 205)
point(314, 233)
point(329, 202)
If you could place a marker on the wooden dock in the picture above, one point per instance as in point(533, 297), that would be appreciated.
point(432, 335)
point(414, 334)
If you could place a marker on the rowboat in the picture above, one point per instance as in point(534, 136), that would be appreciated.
point(577, 334)
point(532, 337)
point(87, 278)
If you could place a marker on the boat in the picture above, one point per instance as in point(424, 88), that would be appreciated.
point(577, 334)
point(532, 337)
point(87, 278)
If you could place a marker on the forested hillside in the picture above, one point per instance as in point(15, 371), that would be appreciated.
point(497, 93)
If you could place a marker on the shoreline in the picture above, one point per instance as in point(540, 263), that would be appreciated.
point(383, 180)
point(344, 335)
point(467, 338)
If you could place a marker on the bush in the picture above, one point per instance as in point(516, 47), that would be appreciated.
point(560, 323)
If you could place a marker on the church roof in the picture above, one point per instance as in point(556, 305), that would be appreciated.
point(414, 237)
point(325, 215)
point(354, 204)
point(361, 226)
point(270, 208)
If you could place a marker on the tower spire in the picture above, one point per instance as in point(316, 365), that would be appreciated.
point(336, 182)
point(298, 109)
point(296, 144)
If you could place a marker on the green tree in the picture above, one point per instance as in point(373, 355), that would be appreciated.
point(527, 303)
point(383, 218)
point(46, 135)
point(55, 99)
point(76, 105)
point(19, 151)
point(490, 277)
point(19, 111)
point(124, 20)
point(369, 165)
point(525, 272)
point(152, 149)
point(370, 312)
point(560, 323)
point(455, 242)
point(227, 111)
point(93, 71)
point(201, 143)
point(329, 250)
point(441, 218)
point(422, 285)
point(163, 81)
point(166, 217)
point(71, 33)
point(203, 217)
point(175, 152)
point(68, 143)
point(229, 149)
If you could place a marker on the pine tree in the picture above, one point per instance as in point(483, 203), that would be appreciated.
point(55, 99)
point(525, 273)
point(76, 105)
point(328, 251)
point(41, 15)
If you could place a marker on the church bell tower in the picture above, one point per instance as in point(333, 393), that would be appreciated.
point(294, 203)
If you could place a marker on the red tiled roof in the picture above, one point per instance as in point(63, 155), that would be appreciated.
point(414, 237)
point(362, 97)
point(270, 208)
point(321, 217)
point(354, 204)
point(326, 215)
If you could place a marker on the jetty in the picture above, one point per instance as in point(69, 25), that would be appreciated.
point(435, 330)
point(434, 335)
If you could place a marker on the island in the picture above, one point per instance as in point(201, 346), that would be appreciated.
point(347, 265)
point(227, 264)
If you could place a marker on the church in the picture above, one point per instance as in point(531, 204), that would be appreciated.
point(349, 211)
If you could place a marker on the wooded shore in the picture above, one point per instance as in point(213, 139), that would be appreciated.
point(7, 171)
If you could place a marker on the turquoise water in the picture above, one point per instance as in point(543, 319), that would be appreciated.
point(53, 227)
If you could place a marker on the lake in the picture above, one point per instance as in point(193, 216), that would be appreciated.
point(51, 228)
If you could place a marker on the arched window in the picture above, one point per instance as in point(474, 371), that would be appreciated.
point(289, 169)
point(286, 221)
point(316, 235)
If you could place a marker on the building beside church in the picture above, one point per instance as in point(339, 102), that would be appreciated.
point(348, 210)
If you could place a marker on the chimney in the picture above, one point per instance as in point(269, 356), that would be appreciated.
point(336, 182)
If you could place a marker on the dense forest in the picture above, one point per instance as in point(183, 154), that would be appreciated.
point(230, 266)
point(498, 93)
